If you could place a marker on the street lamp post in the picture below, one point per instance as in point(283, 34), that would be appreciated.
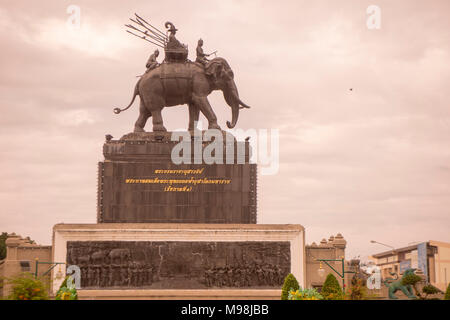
point(341, 275)
point(52, 265)
point(386, 245)
point(383, 244)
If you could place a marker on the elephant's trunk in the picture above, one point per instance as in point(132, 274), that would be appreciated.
point(234, 117)
point(231, 96)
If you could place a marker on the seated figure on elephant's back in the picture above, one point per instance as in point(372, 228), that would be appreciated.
point(152, 62)
point(174, 49)
point(201, 56)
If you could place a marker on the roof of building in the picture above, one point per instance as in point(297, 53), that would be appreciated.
point(393, 252)
point(333, 241)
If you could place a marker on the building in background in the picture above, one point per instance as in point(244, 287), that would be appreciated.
point(21, 255)
point(334, 248)
point(431, 257)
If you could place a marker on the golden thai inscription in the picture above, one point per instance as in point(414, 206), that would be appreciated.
point(173, 184)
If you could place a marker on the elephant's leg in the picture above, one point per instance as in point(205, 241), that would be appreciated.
point(157, 120)
point(203, 104)
point(142, 119)
point(194, 113)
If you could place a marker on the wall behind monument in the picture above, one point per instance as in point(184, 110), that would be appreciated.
point(21, 255)
point(334, 248)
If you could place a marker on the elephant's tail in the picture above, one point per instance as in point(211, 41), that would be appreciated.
point(136, 93)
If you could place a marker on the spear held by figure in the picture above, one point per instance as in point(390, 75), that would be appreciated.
point(144, 30)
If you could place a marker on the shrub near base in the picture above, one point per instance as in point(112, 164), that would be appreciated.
point(27, 287)
point(66, 293)
point(331, 289)
point(305, 294)
point(447, 293)
point(290, 284)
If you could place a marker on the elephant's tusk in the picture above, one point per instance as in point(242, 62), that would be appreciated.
point(243, 104)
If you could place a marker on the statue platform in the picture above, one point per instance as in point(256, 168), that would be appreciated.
point(180, 261)
point(161, 236)
point(139, 183)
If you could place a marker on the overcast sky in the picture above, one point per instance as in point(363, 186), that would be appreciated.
point(370, 163)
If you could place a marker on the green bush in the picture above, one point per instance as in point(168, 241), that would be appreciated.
point(357, 291)
point(305, 294)
point(3, 238)
point(430, 290)
point(26, 287)
point(65, 292)
point(290, 284)
point(447, 293)
point(331, 289)
point(411, 279)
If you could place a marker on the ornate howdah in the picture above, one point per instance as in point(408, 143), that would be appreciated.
point(180, 264)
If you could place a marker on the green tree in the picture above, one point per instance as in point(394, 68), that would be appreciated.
point(3, 237)
point(447, 293)
point(331, 289)
point(290, 283)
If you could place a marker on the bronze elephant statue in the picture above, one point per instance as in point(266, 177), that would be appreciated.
point(172, 84)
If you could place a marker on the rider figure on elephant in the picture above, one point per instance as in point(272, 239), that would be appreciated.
point(173, 43)
point(201, 56)
point(152, 62)
point(178, 81)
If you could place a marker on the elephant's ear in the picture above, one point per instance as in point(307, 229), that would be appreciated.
point(214, 70)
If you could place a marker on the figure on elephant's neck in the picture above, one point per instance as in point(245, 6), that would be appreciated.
point(152, 62)
point(201, 56)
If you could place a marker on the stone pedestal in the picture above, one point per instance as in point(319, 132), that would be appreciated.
point(178, 231)
point(139, 183)
point(180, 261)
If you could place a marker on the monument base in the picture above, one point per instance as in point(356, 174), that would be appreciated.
point(211, 294)
point(180, 261)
